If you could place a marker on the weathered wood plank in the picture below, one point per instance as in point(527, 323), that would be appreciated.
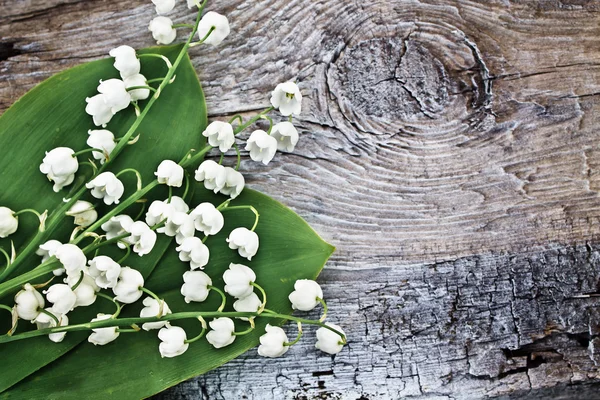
point(449, 151)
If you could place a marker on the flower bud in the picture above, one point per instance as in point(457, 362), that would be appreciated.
point(28, 302)
point(126, 61)
point(170, 173)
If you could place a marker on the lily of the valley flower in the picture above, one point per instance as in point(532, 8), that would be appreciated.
point(85, 291)
point(328, 341)
point(154, 309)
point(180, 225)
point(137, 80)
point(207, 219)
point(262, 146)
point(212, 174)
point(245, 241)
point(234, 183)
point(100, 111)
point(172, 341)
point(29, 302)
point(221, 334)
point(163, 6)
point(47, 250)
point(169, 173)
point(102, 336)
point(238, 280)
point(114, 94)
point(128, 287)
point(108, 187)
point(195, 252)
point(117, 226)
point(44, 321)
point(72, 259)
point(287, 98)
point(60, 166)
point(105, 271)
point(126, 61)
point(272, 343)
point(161, 210)
point(8, 222)
point(306, 295)
point(250, 303)
point(62, 298)
point(286, 135)
point(84, 213)
point(196, 286)
point(217, 22)
point(220, 134)
point(101, 139)
point(142, 238)
point(162, 30)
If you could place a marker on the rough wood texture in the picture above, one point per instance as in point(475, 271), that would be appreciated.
point(449, 151)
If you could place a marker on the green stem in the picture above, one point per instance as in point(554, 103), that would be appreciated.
point(128, 247)
point(116, 303)
point(223, 297)
point(239, 156)
point(183, 26)
point(48, 313)
point(7, 308)
point(242, 333)
point(152, 55)
point(201, 335)
point(236, 116)
point(75, 286)
point(137, 174)
point(84, 151)
point(297, 337)
point(251, 208)
point(6, 256)
point(155, 80)
point(270, 123)
point(28, 210)
point(324, 309)
point(127, 330)
point(251, 121)
point(264, 296)
point(124, 322)
point(151, 293)
point(212, 28)
point(140, 87)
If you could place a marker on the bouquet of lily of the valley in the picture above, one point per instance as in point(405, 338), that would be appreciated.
point(132, 255)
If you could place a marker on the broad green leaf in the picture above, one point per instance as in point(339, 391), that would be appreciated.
point(131, 367)
point(52, 115)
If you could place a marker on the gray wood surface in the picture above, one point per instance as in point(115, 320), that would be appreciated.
point(449, 151)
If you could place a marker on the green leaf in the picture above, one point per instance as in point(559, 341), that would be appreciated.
point(51, 115)
point(131, 367)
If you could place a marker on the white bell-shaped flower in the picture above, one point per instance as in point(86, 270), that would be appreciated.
point(152, 308)
point(238, 280)
point(62, 298)
point(220, 134)
point(160, 211)
point(115, 94)
point(245, 241)
point(137, 80)
point(250, 303)
point(212, 174)
point(196, 286)
point(180, 225)
point(217, 21)
point(8, 222)
point(207, 219)
point(272, 343)
point(286, 135)
point(29, 302)
point(142, 238)
point(195, 252)
point(107, 187)
point(262, 146)
point(221, 334)
point(105, 271)
point(84, 213)
point(126, 61)
point(172, 341)
point(44, 321)
point(47, 250)
point(163, 6)
point(102, 336)
point(306, 295)
point(128, 287)
point(169, 173)
point(234, 183)
point(162, 30)
point(117, 226)
point(287, 98)
point(101, 139)
point(99, 109)
point(72, 259)
point(328, 341)
point(85, 291)
point(60, 166)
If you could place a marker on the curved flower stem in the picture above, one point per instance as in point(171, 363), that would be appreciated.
point(297, 337)
point(187, 185)
point(270, 123)
point(324, 309)
point(239, 157)
point(141, 87)
point(170, 194)
point(264, 296)
point(84, 151)
point(152, 55)
point(124, 322)
point(223, 297)
point(137, 174)
point(183, 26)
point(7, 308)
point(128, 249)
point(132, 330)
point(251, 208)
point(192, 340)
point(151, 293)
point(155, 79)
point(76, 285)
point(252, 120)
point(204, 38)
point(242, 333)
point(48, 313)
point(2, 251)
point(223, 205)
point(236, 116)
point(116, 303)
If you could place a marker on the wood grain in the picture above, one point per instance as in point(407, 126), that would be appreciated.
point(449, 151)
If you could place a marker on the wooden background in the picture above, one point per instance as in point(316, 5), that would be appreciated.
point(449, 150)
